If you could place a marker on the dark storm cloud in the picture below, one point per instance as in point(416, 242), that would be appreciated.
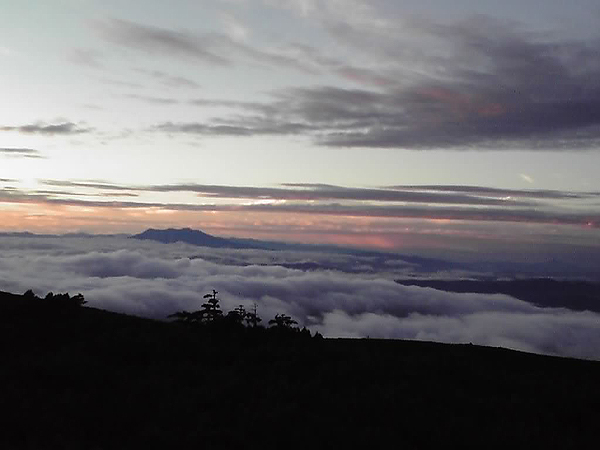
point(154, 280)
point(20, 152)
point(63, 128)
point(499, 87)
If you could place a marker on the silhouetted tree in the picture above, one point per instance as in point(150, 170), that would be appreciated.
point(29, 294)
point(78, 300)
point(65, 300)
point(305, 332)
point(186, 317)
point(252, 319)
point(282, 321)
point(211, 311)
point(237, 315)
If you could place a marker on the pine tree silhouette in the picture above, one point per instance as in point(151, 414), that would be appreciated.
point(238, 314)
point(252, 319)
point(211, 311)
point(282, 321)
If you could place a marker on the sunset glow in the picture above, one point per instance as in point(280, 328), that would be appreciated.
point(206, 115)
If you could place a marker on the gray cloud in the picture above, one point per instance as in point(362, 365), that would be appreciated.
point(88, 184)
point(591, 219)
point(154, 100)
point(121, 83)
point(169, 80)
point(365, 76)
point(158, 40)
point(92, 106)
point(251, 127)
point(501, 88)
point(310, 192)
point(20, 153)
point(360, 75)
point(227, 44)
point(54, 192)
point(208, 47)
point(497, 192)
point(528, 332)
point(549, 216)
point(312, 201)
point(219, 103)
point(57, 198)
point(86, 57)
point(332, 193)
point(63, 128)
point(154, 280)
point(444, 194)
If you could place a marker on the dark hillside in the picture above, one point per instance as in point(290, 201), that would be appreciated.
point(77, 377)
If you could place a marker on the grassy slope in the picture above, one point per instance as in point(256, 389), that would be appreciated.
point(86, 378)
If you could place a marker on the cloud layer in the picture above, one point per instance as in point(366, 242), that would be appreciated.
point(457, 203)
point(20, 153)
point(61, 128)
point(478, 84)
point(155, 280)
point(213, 48)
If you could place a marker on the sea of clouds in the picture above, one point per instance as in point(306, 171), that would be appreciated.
point(154, 280)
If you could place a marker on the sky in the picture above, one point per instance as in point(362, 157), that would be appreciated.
point(418, 126)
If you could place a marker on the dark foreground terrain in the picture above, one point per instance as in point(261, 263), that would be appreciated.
point(79, 378)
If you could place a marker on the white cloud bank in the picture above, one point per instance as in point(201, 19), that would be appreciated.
point(154, 280)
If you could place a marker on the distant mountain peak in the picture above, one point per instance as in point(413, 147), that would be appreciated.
point(186, 235)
